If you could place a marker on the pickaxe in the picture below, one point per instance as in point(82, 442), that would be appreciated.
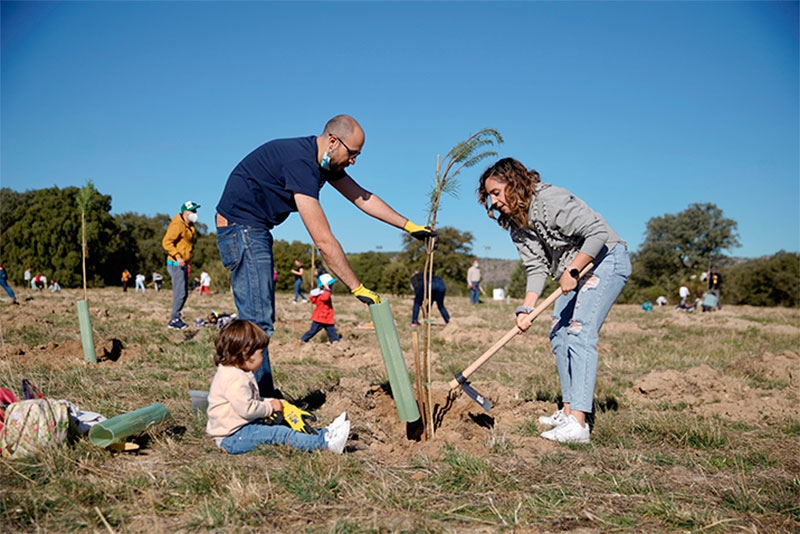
point(461, 378)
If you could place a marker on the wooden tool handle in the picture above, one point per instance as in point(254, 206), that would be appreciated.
point(541, 307)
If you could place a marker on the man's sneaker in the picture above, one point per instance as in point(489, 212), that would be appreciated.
point(177, 324)
point(553, 420)
point(570, 431)
point(337, 433)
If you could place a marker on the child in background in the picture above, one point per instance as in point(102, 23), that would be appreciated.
point(322, 317)
point(236, 411)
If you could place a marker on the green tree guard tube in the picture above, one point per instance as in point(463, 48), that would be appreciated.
point(120, 427)
point(87, 337)
point(402, 393)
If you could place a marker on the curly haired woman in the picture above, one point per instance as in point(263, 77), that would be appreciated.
point(557, 233)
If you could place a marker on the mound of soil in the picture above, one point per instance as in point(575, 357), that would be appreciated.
point(709, 392)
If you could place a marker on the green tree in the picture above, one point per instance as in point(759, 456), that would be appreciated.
point(675, 246)
point(453, 256)
point(44, 234)
point(773, 281)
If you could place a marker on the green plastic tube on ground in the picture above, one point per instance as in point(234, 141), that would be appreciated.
point(120, 427)
point(396, 368)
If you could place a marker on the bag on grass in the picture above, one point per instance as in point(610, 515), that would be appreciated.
point(33, 424)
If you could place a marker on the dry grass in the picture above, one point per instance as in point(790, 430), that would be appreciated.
point(712, 446)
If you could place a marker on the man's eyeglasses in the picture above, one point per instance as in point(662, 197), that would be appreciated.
point(352, 153)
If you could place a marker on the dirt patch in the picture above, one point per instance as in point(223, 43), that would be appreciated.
point(710, 392)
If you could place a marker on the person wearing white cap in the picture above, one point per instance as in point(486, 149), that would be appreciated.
point(179, 244)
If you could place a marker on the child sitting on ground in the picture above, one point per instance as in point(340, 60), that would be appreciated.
point(322, 316)
point(236, 412)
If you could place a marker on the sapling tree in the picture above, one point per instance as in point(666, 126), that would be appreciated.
point(468, 153)
point(84, 200)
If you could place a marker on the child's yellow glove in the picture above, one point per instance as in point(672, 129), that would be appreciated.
point(298, 419)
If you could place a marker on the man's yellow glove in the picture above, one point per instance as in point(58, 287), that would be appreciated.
point(298, 419)
point(421, 232)
point(367, 296)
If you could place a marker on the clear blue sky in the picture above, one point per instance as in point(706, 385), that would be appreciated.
point(639, 108)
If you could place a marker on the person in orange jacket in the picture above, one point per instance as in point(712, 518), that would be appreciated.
point(179, 244)
point(322, 317)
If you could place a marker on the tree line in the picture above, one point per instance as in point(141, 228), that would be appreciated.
point(40, 230)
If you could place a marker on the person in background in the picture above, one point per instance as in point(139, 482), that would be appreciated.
point(205, 283)
point(39, 282)
point(6, 287)
point(279, 178)
point(683, 293)
point(237, 413)
point(661, 301)
point(126, 277)
point(140, 283)
point(319, 270)
point(438, 290)
point(179, 243)
point(28, 276)
point(714, 283)
point(322, 316)
point(474, 283)
point(298, 281)
point(158, 281)
point(54, 287)
point(557, 233)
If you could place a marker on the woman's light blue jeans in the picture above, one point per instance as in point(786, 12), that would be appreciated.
point(246, 251)
point(577, 319)
point(252, 435)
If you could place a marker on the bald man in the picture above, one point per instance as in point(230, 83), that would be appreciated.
point(273, 181)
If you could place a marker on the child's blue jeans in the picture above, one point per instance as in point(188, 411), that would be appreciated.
point(252, 435)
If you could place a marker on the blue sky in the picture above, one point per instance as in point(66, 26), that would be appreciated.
point(639, 108)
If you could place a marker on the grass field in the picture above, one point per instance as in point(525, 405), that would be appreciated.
point(697, 425)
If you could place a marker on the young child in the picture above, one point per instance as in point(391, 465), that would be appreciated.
point(236, 411)
point(322, 317)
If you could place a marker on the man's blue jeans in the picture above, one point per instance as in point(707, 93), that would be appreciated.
point(180, 289)
point(246, 251)
point(250, 436)
point(577, 319)
point(475, 294)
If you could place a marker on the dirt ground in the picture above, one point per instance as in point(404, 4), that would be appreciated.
point(376, 427)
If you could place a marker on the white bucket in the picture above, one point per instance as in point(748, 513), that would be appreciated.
point(499, 294)
point(199, 400)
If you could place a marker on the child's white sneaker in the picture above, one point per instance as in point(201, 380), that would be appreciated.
point(337, 433)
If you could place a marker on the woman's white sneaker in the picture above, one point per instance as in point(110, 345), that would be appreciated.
point(570, 431)
point(553, 420)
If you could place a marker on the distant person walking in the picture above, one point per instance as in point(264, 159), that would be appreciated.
point(4, 285)
point(298, 281)
point(557, 233)
point(28, 276)
point(474, 283)
point(438, 290)
point(714, 283)
point(179, 244)
point(126, 277)
point(140, 283)
point(322, 316)
point(205, 283)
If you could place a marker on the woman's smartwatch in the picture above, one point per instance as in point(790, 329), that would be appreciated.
point(575, 273)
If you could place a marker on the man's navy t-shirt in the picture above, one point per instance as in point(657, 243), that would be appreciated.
point(259, 190)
